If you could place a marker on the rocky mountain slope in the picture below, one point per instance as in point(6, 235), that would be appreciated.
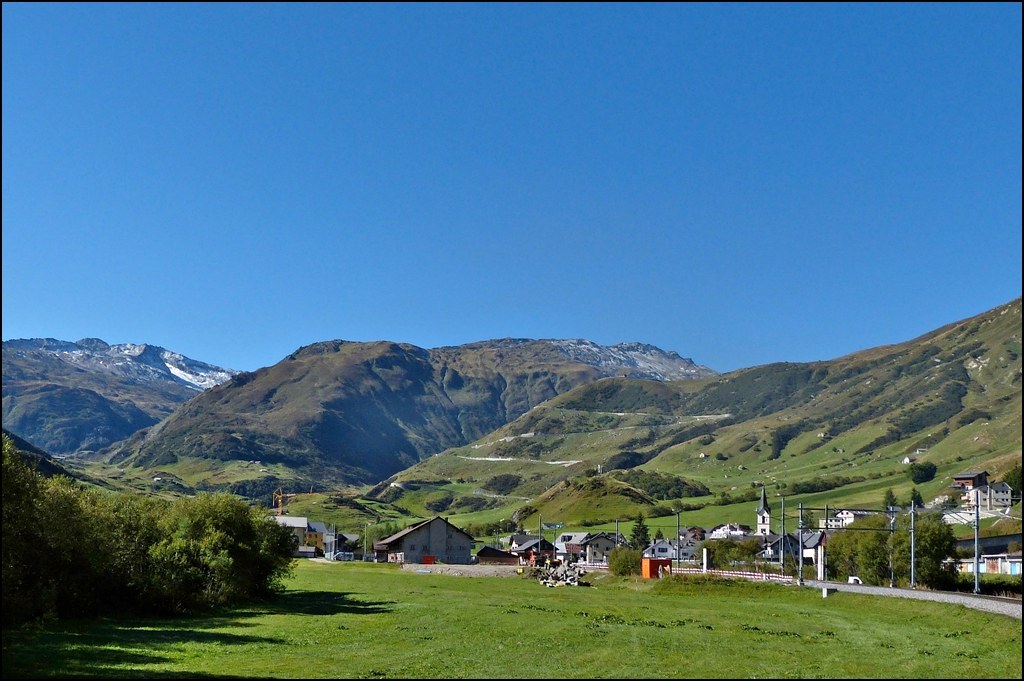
point(341, 411)
point(73, 397)
point(838, 431)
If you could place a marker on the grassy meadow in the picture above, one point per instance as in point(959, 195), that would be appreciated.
point(374, 621)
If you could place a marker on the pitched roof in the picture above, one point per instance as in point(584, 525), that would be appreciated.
point(491, 552)
point(296, 521)
point(317, 526)
point(383, 544)
point(572, 538)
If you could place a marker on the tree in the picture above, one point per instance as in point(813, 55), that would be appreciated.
point(659, 534)
point(922, 472)
point(1013, 479)
point(624, 561)
point(916, 500)
point(890, 500)
point(640, 537)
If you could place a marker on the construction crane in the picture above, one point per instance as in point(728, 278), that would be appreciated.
point(279, 497)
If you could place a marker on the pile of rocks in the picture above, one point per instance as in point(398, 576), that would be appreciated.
point(563, 575)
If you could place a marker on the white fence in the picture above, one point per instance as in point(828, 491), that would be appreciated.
point(735, 574)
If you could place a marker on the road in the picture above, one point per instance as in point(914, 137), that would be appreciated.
point(1001, 606)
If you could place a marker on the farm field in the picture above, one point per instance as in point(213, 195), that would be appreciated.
point(374, 621)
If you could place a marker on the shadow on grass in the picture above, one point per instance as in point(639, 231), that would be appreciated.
point(107, 649)
point(321, 603)
point(131, 647)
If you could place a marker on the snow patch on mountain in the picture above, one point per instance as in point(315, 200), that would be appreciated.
point(141, 362)
point(636, 360)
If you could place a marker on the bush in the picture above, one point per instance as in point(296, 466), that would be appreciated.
point(922, 472)
point(438, 502)
point(624, 561)
point(503, 484)
point(68, 551)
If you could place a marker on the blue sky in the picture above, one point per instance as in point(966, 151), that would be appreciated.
point(742, 184)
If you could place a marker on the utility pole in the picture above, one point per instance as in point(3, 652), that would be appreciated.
point(616, 533)
point(677, 539)
point(782, 541)
point(540, 535)
point(977, 542)
point(913, 548)
point(366, 529)
point(824, 547)
point(800, 547)
point(892, 533)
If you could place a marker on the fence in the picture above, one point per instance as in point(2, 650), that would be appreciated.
point(735, 574)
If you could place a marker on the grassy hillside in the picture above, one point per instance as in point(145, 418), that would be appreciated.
point(340, 412)
point(820, 433)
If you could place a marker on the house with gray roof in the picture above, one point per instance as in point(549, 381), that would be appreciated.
point(434, 540)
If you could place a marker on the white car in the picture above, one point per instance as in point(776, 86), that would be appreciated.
point(854, 580)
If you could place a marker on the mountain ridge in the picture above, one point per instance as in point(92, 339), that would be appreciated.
point(72, 397)
point(365, 410)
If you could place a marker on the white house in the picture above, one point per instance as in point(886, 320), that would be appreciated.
point(569, 545)
point(729, 531)
point(989, 497)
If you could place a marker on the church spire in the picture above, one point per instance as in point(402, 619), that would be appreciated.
point(763, 506)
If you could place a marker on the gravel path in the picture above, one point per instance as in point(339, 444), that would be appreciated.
point(986, 603)
point(464, 570)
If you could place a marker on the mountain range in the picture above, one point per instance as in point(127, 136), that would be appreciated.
point(75, 397)
point(567, 428)
point(346, 412)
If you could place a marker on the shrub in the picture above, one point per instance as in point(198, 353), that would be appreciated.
point(68, 551)
point(624, 561)
point(922, 472)
point(503, 484)
point(438, 502)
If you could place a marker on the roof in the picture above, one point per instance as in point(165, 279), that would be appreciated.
point(384, 544)
point(970, 474)
point(295, 521)
point(491, 552)
point(763, 506)
point(532, 544)
point(572, 538)
point(317, 526)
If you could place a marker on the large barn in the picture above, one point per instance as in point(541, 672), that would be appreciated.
point(434, 540)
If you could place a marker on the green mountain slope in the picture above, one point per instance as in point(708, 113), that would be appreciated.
point(338, 412)
point(827, 432)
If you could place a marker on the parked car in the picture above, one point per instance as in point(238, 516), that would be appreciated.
point(854, 580)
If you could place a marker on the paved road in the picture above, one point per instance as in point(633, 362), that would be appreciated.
point(999, 606)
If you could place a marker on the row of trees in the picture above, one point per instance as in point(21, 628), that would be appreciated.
point(70, 551)
point(867, 549)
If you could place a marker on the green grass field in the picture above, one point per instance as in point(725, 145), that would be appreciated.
point(374, 621)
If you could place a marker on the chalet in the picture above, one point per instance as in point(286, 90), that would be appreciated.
point(596, 547)
point(426, 542)
point(970, 480)
point(489, 555)
point(530, 550)
point(568, 546)
point(515, 541)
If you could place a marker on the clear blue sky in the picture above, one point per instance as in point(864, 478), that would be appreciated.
point(742, 184)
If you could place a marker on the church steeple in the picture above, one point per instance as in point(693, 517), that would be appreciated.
point(764, 514)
